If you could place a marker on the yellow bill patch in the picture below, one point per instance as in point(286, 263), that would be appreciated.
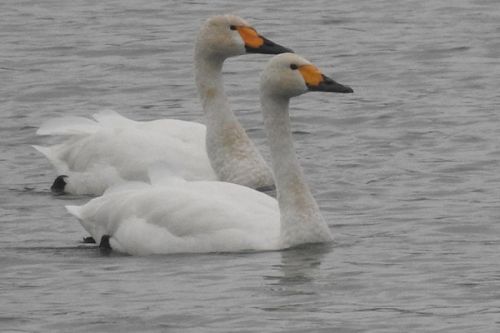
point(311, 74)
point(250, 37)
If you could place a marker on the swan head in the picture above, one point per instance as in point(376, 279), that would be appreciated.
point(290, 75)
point(227, 36)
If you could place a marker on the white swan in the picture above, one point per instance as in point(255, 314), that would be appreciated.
point(205, 216)
point(112, 149)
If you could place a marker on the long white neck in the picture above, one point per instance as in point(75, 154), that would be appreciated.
point(301, 220)
point(232, 154)
point(208, 76)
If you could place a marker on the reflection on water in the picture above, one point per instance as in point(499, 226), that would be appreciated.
point(301, 264)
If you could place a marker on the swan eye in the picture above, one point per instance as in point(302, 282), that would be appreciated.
point(294, 66)
point(232, 27)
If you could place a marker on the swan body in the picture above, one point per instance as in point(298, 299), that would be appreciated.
point(111, 149)
point(173, 215)
point(143, 222)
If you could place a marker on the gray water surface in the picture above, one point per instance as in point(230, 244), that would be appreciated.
point(406, 169)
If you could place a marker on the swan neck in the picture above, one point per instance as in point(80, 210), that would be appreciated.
point(210, 86)
point(286, 167)
point(233, 156)
point(301, 220)
point(208, 76)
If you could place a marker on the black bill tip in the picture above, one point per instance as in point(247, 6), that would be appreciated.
point(268, 47)
point(329, 85)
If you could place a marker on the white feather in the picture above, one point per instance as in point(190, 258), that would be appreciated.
point(69, 125)
point(208, 216)
point(98, 154)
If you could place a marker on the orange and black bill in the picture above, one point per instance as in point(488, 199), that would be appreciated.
point(255, 43)
point(330, 85)
point(316, 81)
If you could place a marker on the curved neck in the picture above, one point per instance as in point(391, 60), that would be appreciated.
point(301, 220)
point(233, 156)
point(208, 76)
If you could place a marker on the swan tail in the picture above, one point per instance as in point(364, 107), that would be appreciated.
point(45, 151)
point(76, 211)
point(51, 155)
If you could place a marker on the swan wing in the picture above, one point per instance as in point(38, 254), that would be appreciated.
point(192, 217)
point(70, 125)
point(118, 148)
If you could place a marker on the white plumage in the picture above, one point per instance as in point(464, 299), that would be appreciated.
point(112, 149)
point(173, 215)
point(98, 154)
point(182, 217)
